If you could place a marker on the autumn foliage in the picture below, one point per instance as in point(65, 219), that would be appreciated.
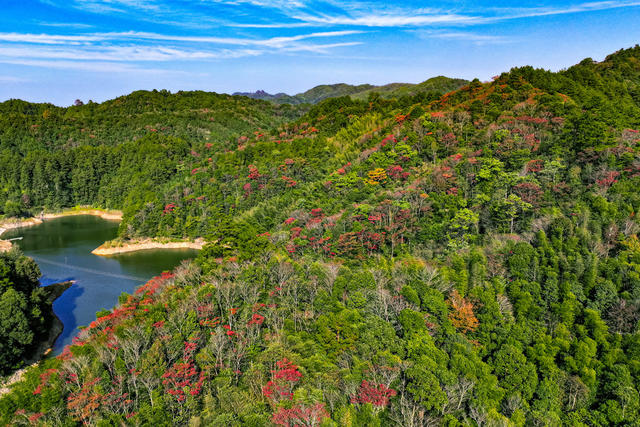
point(461, 315)
point(300, 415)
point(378, 395)
point(283, 380)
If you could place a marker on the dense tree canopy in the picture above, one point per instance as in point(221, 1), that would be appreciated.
point(466, 258)
point(23, 309)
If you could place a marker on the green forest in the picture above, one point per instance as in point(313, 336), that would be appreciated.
point(25, 309)
point(392, 90)
point(423, 258)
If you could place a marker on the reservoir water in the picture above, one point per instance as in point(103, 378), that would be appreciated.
point(62, 248)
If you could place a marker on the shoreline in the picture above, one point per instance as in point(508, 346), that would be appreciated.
point(13, 223)
point(109, 215)
point(147, 244)
point(45, 346)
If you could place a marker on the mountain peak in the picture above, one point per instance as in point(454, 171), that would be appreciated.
point(392, 90)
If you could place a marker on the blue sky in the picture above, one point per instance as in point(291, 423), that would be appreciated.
point(59, 50)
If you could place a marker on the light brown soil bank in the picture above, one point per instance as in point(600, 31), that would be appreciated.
point(5, 246)
point(11, 223)
point(108, 215)
point(119, 247)
point(14, 378)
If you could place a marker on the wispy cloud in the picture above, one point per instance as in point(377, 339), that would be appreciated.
point(391, 20)
point(318, 13)
point(517, 13)
point(342, 21)
point(134, 35)
point(276, 4)
point(103, 67)
point(142, 46)
point(48, 38)
point(318, 48)
point(274, 25)
point(478, 39)
point(69, 25)
point(371, 16)
point(12, 79)
point(269, 42)
point(124, 53)
point(119, 6)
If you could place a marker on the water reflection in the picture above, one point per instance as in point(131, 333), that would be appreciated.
point(65, 308)
point(62, 247)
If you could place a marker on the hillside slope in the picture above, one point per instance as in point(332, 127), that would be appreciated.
point(466, 259)
point(189, 115)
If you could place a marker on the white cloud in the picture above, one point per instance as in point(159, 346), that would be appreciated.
point(430, 17)
point(48, 38)
point(106, 67)
point(119, 6)
point(304, 12)
point(479, 39)
point(123, 53)
point(391, 20)
point(270, 42)
point(75, 25)
point(318, 48)
point(347, 19)
point(275, 25)
point(152, 47)
point(273, 4)
point(517, 13)
point(13, 79)
point(131, 35)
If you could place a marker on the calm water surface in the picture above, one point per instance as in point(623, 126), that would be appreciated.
point(62, 248)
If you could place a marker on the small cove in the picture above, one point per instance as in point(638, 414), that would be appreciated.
point(62, 248)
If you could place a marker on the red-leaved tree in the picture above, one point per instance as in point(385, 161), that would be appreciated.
point(378, 395)
point(282, 382)
point(300, 415)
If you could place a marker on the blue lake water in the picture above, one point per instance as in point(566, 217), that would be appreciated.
point(62, 248)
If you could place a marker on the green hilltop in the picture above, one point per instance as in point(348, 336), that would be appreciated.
point(393, 90)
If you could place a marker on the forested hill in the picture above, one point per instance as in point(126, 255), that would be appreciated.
point(468, 258)
point(191, 116)
point(392, 90)
point(312, 96)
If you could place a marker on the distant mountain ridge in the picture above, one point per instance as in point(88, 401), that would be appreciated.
point(391, 90)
